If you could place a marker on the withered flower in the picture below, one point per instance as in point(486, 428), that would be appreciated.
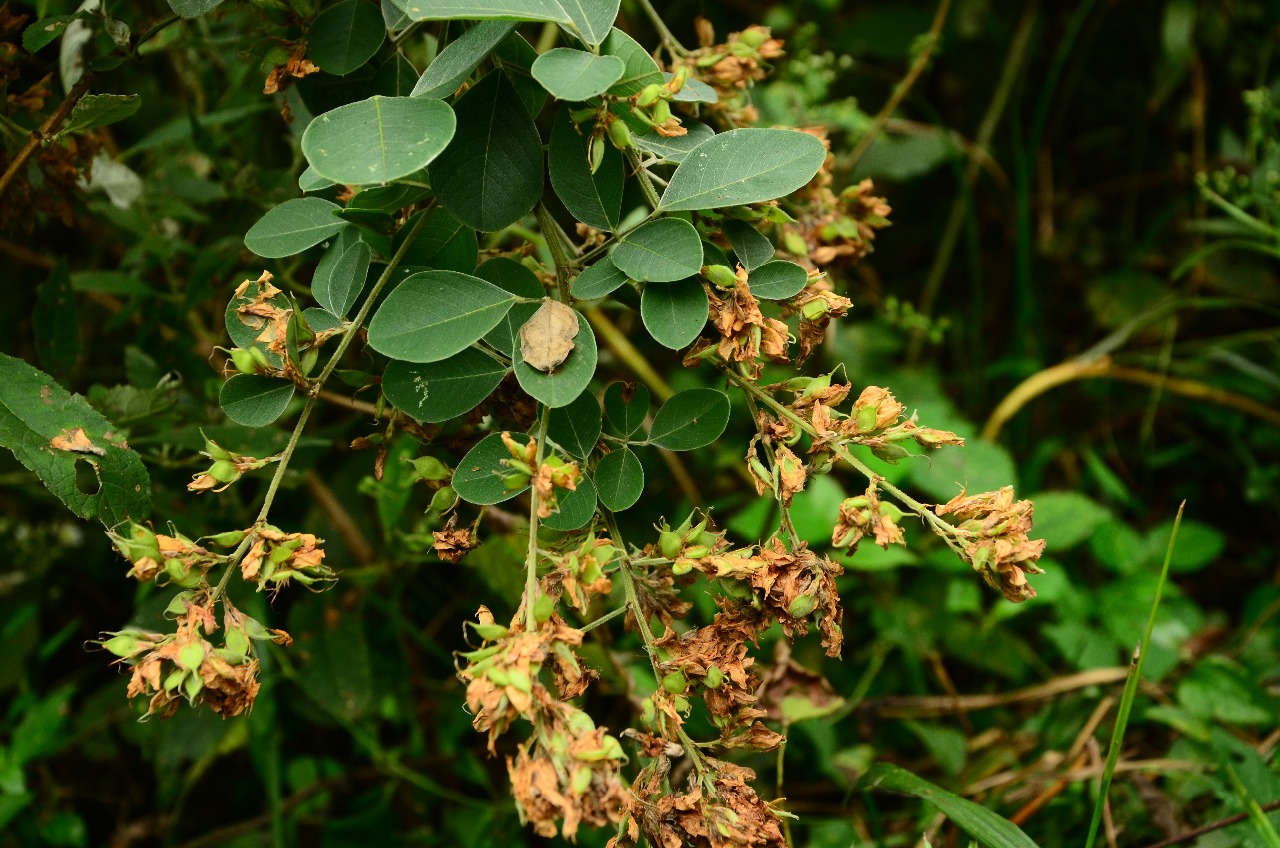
point(275, 558)
point(993, 529)
point(864, 515)
point(745, 333)
point(452, 543)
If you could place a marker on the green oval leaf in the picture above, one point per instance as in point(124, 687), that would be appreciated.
point(576, 427)
point(339, 287)
point(674, 148)
point(293, 226)
point(562, 386)
point(598, 280)
point(193, 8)
point(982, 824)
point(396, 77)
point(345, 36)
point(619, 479)
point(574, 509)
point(663, 250)
point(777, 280)
point(432, 315)
point(626, 406)
point(690, 419)
point(463, 55)
point(254, 400)
point(437, 391)
point(478, 477)
point(640, 69)
point(36, 412)
point(310, 181)
point(98, 110)
point(491, 174)
point(743, 166)
point(750, 245)
point(576, 75)
point(594, 199)
point(444, 243)
point(378, 140)
point(674, 313)
point(590, 19)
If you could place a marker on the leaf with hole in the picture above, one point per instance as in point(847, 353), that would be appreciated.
point(546, 339)
point(777, 280)
point(576, 75)
point(690, 419)
point(293, 226)
point(662, 250)
point(338, 289)
point(45, 31)
point(598, 280)
point(432, 315)
point(491, 174)
point(749, 244)
point(253, 400)
point(562, 386)
point(438, 391)
point(574, 509)
point(478, 477)
point(576, 427)
point(674, 313)
point(345, 36)
point(463, 55)
point(594, 199)
point(619, 479)
point(626, 406)
point(50, 431)
point(743, 166)
point(378, 140)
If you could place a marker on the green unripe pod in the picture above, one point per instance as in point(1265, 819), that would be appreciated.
point(649, 95)
point(661, 112)
point(795, 243)
point(890, 453)
point(581, 781)
point(714, 678)
point(814, 309)
point(489, 632)
point(720, 275)
point(244, 361)
point(224, 471)
point(620, 134)
point(675, 682)
point(670, 544)
point(443, 500)
point(595, 152)
point(229, 539)
point(430, 468)
point(753, 37)
point(542, 608)
point(802, 606)
point(697, 551)
point(866, 419)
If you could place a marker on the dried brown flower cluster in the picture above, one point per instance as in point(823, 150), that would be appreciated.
point(551, 474)
point(277, 558)
point(993, 528)
point(732, 67)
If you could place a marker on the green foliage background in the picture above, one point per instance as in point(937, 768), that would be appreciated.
point(1079, 232)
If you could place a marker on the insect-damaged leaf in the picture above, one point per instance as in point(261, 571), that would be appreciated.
point(563, 386)
point(437, 391)
point(546, 339)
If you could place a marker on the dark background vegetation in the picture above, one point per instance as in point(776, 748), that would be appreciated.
point(1080, 234)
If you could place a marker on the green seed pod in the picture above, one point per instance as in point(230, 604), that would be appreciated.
point(890, 453)
point(867, 417)
point(229, 539)
point(649, 95)
point(430, 468)
point(244, 360)
point(677, 81)
point(720, 275)
point(595, 151)
point(814, 309)
point(498, 676)
point(682, 567)
point(224, 471)
point(661, 112)
point(260, 357)
point(697, 551)
point(620, 134)
point(309, 360)
point(802, 606)
point(670, 544)
point(891, 510)
point(174, 680)
point(714, 677)
point(742, 49)
point(520, 680)
point(443, 500)
point(123, 645)
point(708, 61)
point(279, 554)
point(581, 781)
point(542, 608)
point(489, 631)
point(675, 682)
point(795, 243)
point(753, 37)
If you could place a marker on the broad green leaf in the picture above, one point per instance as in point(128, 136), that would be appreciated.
point(377, 140)
point(574, 509)
point(433, 315)
point(339, 289)
point(674, 148)
point(640, 70)
point(777, 280)
point(393, 16)
point(515, 57)
point(598, 280)
point(45, 31)
point(690, 419)
point(576, 427)
point(345, 36)
point(254, 400)
point(593, 19)
point(1115, 544)
point(396, 77)
point(98, 110)
point(590, 19)
point(491, 174)
point(193, 8)
point(626, 406)
point(293, 226)
point(478, 477)
point(749, 244)
point(444, 243)
point(321, 320)
point(982, 824)
point(1198, 545)
point(437, 391)
point(619, 479)
point(388, 198)
point(509, 275)
point(576, 75)
point(674, 313)
point(743, 166)
point(463, 55)
point(310, 181)
point(562, 386)
point(56, 322)
point(1065, 519)
point(49, 430)
point(594, 199)
point(662, 250)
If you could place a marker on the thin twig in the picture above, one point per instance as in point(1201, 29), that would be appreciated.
point(47, 129)
point(1211, 827)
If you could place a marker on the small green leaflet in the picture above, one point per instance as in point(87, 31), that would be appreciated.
point(674, 148)
point(345, 36)
point(562, 386)
point(463, 55)
point(749, 244)
point(576, 75)
point(491, 174)
point(598, 280)
point(293, 226)
point(478, 477)
point(619, 479)
point(576, 427)
point(254, 400)
point(690, 419)
point(777, 280)
point(662, 250)
point(674, 313)
point(377, 140)
point(982, 824)
point(339, 288)
point(49, 430)
point(98, 110)
point(590, 19)
point(626, 406)
point(743, 166)
point(574, 508)
point(437, 391)
point(45, 31)
point(594, 199)
point(640, 71)
point(433, 315)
